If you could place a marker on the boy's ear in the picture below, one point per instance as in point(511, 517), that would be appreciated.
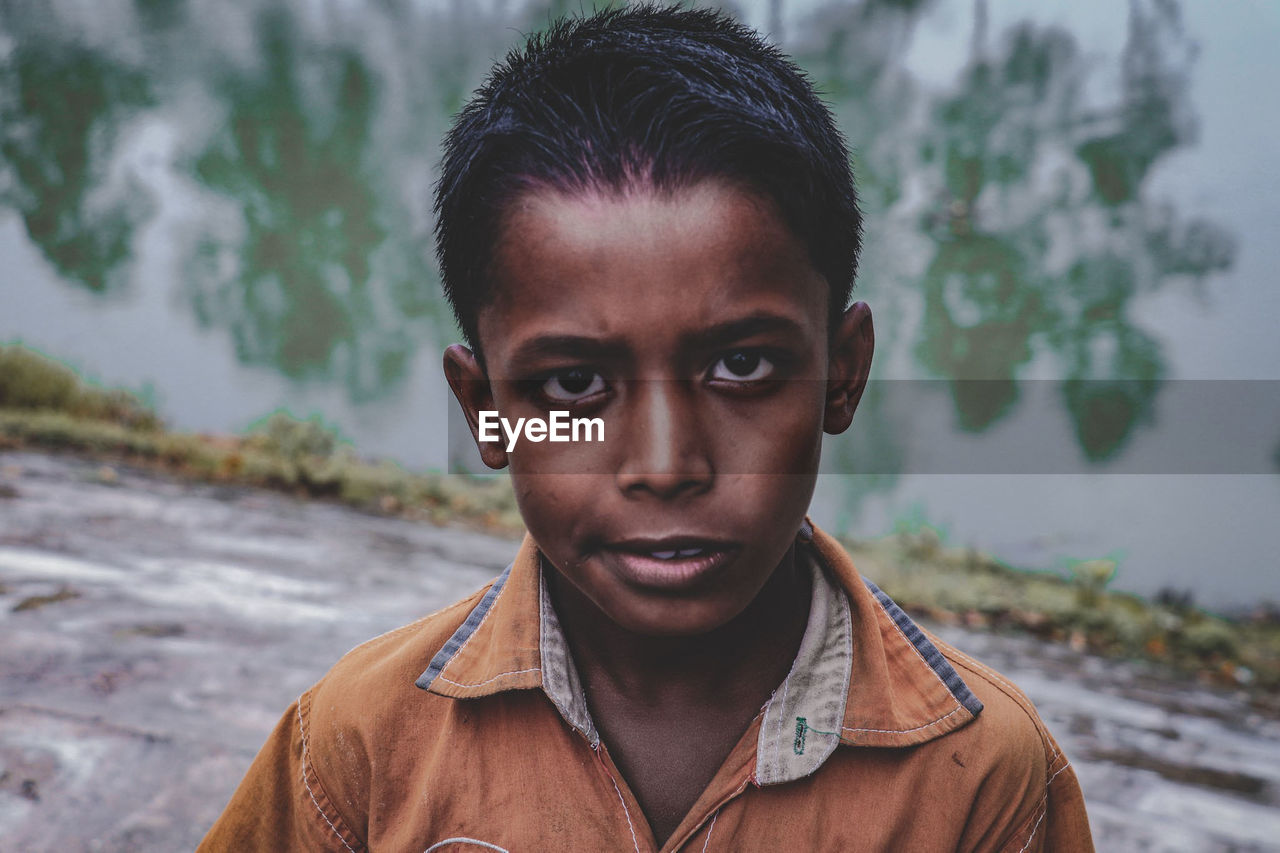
point(849, 365)
point(470, 384)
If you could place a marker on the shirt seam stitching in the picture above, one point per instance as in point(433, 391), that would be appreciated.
point(730, 797)
point(715, 817)
point(309, 768)
point(625, 809)
point(1042, 808)
point(983, 671)
point(487, 680)
point(782, 707)
point(465, 840)
point(952, 713)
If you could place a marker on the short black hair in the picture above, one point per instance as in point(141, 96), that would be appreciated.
point(652, 95)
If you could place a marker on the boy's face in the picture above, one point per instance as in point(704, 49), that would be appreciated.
point(694, 325)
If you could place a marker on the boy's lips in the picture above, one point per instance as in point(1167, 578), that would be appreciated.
point(671, 563)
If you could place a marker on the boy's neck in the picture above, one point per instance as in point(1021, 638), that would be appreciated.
point(643, 691)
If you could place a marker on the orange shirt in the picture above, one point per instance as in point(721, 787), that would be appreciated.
point(468, 730)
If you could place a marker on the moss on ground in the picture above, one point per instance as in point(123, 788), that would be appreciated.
point(961, 586)
point(32, 382)
point(45, 405)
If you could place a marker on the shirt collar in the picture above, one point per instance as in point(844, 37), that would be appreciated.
point(801, 723)
point(865, 674)
point(560, 677)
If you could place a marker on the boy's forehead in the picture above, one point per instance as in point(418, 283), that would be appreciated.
point(608, 262)
point(637, 203)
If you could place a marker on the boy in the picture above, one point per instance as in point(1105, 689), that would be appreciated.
point(647, 216)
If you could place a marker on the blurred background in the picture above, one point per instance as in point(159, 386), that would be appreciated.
point(224, 207)
point(1071, 227)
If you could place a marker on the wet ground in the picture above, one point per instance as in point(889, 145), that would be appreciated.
point(152, 631)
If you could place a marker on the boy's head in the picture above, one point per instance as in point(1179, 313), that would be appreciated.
point(645, 96)
point(647, 217)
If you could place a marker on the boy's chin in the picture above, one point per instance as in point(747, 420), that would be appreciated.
point(667, 621)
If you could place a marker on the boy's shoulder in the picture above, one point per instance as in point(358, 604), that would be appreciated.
point(382, 671)
point(1008, 715)
point(963, 732)
point(1022, 755)
point(1026, 780)
point(1010, 731)
point(311, 783)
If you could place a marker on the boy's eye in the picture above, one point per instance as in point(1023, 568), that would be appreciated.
point(742, 366)
point(570, 386)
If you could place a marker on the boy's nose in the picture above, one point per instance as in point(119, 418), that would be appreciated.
point(666, 449)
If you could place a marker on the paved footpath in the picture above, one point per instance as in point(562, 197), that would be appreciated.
point(152, 632)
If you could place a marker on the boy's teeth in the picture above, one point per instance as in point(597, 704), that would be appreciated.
point(672, 554)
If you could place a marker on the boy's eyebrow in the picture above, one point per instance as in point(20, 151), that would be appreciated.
point(721, 334)
point(743, 327)
point(575, 346)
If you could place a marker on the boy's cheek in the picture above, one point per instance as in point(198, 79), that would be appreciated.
point(558, 508)
point(548, 459)
point(784, 439)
